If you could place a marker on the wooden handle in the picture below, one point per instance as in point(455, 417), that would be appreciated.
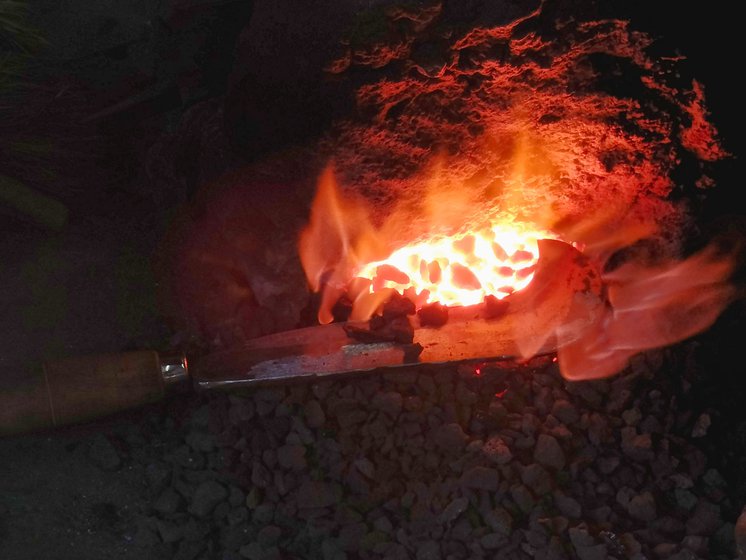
point(77, 389)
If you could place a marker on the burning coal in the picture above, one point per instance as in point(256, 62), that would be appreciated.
point(457, 259)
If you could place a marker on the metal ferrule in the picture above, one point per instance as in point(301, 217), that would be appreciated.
point(174, 368)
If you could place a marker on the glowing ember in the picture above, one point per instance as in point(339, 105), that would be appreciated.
point(459, 270)
point(343, 254)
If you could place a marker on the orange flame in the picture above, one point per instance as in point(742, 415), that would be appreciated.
point(343, 253)
point(650, 307)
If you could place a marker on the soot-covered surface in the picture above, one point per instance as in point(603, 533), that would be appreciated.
point(423, 465)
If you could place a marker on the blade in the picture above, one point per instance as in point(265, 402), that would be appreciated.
point(524, 330)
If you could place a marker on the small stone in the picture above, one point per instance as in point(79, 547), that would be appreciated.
point(366, 467)
point(567, 506)
point(241, 409)
point(497, 411)
point(255, 551)
point(314, 414)
point(681, 480)
point(238, 516)
point(170, 532)
point(481, 478)
point(705, 520)
point(200, 418)
point(638, 447)
point(624, 495)
point(497, 451)
point(565, 411)
point(608, 465)
point(664, 549)
point(684, 499)
point(346, 515)
point(263, 513)
point(696, 462)
point(318, 494)
point(429, 550)
point(260, 475)
point(265, 400)
point(383, 524)
point(632, 416)
point(493, 541)
point(389, 403)
point(407, 499)
point(373, 539)
point(330, 551)
point(253, 498)
point(650, 425)
point(350, 536)
point(456, 507)
point(145, 537)
point(668, 525)
point(157, 476)
point(695, 543)
point(598, 428)
point(451, 437)
point(522, 497)
point(189, 550)
point(269, 458)
point(426, 383)
point(201, 441)
point(536, 478)
point(235, 537)
point(600, 514)
point(465, 396)
point(168, 502)
point(292, 457)
point(499, 520)
point(561, 432)
point(235, 496)
point(630, 543)
point(713, 478)
point(586, 391)
point(208, 495)
point(596, 552)
point(701, 425)
point(580, 537)
point(103, 454)
point(412, 403)
point(268, 535)
point(642, 507)
point(525, 442)
point(548, 452)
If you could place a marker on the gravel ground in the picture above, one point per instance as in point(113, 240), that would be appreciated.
point(513, 462)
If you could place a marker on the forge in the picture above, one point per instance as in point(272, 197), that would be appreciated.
point(441, 280)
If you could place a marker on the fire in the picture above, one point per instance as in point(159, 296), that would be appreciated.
point(344, 254)
point(647, 306)
point(459, 270)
